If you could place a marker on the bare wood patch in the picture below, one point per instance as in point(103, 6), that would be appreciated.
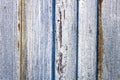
point(100, 41)
point(19, 27)
point(22, 73)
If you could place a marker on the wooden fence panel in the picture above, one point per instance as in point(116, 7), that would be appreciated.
point(87, 53)
point(38, 39)
point(59, 40)
point(66, 39)
point(9, 47)
point(110, 30)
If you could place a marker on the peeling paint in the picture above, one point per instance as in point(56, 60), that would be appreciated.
point(60, 28)
point(100, 41)
point(60, 66)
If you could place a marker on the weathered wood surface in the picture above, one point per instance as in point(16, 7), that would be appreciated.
point(59, 40)
point(87, 40)
point(66, 39)
point(110, 24)
point(9, 56)
point(38, 39)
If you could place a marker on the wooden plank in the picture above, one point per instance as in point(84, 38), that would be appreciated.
point(37, 41)
point(66, 39)
point(87, 40)
point(110, 26)
point(9, 48)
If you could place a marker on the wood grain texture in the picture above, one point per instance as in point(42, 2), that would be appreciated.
point(8, 40)
point(38, 39)
point(87, 54)
point(111, 37)
point(66, 30)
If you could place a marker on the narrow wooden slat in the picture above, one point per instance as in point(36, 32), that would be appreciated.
point(8, 40)
point(66, 30)
point(38, 39)
point(87, 40)
point(110, 24)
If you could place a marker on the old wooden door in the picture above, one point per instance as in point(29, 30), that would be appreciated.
point(59, 40)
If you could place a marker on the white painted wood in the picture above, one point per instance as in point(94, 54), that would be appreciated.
point(111, 36)
point(38, 39)
point(87, 40)
point(66, 37)
point(8, 40)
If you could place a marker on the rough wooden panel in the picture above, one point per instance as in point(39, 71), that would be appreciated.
point(66, 39)
point(38, 39)
point(110, 17)
point(87, 40)
point(8, 40)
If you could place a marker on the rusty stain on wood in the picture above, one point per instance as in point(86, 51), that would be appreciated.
point(22, 56)
point(18, 26)
point(60, 66)
point(18, 45)
point(22, 66)
point(19, 35)
point(60, 28)
point(100, 41)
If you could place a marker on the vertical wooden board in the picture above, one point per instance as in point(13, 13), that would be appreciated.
point(8, 40)
point(66, 39)
point(87, 40)
point(38, 39)
point(110, 17)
